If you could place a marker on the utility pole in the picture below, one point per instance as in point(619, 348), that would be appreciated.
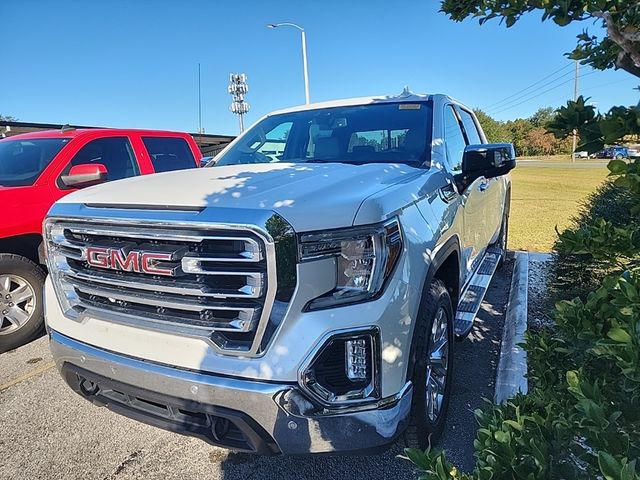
point(575, 97)
point(199, 103)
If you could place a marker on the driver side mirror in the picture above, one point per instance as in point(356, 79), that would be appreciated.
point(487, 160)
point(85, 175)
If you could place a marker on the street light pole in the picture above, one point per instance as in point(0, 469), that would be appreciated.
point(305, 67)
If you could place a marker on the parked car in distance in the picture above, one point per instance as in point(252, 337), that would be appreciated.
point(633, 152)
point(616, 152)
point(36, 169)
point(296, 302)
point(581, 154)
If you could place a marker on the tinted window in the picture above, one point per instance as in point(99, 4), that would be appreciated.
point(470, 128)
point(169, 153)
point(376, 141)
point(454, 141)
point(22, 161)
point(383, 133)
point(115, 153)
point(274, 141)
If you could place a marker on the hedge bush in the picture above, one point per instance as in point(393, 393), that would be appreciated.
point(581, 418)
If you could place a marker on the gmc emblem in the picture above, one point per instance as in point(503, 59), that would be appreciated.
point(134, 261)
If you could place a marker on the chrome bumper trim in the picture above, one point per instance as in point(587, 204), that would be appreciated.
point(297, 425)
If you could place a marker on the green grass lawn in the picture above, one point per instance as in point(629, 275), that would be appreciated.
point(545, 197)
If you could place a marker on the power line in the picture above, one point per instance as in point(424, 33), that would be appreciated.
point(527, 88)
point(539, 94)
point(550, 82)
point(558, 100)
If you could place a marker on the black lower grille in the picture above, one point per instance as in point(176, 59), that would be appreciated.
point(330, 370)
point(216, 425)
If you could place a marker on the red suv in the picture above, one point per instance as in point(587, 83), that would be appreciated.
point(36, 169)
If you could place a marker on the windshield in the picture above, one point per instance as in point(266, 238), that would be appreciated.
point(22, 161)
point(375, 133)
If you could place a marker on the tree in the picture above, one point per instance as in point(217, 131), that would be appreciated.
point(619, 47)
point(8, 118)
point(519, 129)
point(528, 135)
point(495, 131)
point(542, 116)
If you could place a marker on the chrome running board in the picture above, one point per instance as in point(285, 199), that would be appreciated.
point(474, 293)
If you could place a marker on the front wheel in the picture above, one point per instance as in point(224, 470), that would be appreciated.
point(432, 367)
point(21, 297)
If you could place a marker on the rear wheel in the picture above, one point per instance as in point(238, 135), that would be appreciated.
point(21, 297)
point(619, 156)
point(432, 368)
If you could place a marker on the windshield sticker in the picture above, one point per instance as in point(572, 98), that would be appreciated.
point(409, 106)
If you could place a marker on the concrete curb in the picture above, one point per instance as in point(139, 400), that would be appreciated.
point(512, 366)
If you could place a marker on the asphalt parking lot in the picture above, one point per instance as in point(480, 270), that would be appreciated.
point(47, 431)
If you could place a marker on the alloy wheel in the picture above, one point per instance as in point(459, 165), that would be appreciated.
point(437, 365)
point(17, 303)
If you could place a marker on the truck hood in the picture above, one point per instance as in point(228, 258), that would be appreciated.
point(309, 196)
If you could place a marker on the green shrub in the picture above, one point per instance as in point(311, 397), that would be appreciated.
point(574, 274)
point(581, 418)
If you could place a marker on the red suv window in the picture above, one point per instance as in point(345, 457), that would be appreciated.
point(115, 153)
point(169, 153)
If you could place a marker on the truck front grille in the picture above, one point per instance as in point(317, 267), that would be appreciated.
point(206, 282)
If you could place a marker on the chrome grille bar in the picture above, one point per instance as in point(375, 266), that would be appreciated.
point(218, 279)
point(252, 289)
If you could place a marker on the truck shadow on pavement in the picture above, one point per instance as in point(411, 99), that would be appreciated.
point(475, 363)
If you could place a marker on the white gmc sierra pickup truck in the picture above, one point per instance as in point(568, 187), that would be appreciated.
point(302, 295)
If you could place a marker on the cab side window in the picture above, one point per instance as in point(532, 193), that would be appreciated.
point(454, 141)
point(169, 153)
point(470, 128)
point(115, 153)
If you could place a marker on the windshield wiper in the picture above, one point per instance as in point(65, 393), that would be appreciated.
point(317, 160)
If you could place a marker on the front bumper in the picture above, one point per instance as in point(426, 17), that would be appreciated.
point(260, 417)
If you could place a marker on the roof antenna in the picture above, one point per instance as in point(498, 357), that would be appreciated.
point(406, 92)
point(66, 128)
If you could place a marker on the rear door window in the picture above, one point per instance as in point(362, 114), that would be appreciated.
point(169, 153)
point(115, 153)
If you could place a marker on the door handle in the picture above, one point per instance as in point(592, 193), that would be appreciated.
point(448, 192)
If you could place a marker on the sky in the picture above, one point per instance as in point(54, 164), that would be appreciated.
point(124, 63)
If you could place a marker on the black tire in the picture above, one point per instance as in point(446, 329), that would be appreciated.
point(619, 156)
point(422, 432)
point(33, 275)
point(503, 238)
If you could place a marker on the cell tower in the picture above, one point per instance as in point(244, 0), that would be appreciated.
point(238, 88)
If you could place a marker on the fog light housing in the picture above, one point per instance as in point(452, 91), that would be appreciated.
point(345, 370)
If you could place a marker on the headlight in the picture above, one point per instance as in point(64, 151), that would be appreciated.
point(364, 257)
